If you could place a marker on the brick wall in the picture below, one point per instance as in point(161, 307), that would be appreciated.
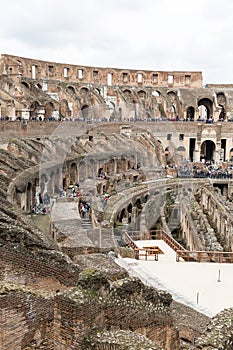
point(25, 321)
point(24, 269)
point(74, 320)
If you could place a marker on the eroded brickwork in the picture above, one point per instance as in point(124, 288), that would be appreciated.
point(26, 320)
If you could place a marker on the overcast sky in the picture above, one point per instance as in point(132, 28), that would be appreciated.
point(186, 35)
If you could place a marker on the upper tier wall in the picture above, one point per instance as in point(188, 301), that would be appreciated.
point(36, 69)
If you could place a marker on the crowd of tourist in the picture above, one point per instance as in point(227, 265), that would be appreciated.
point(205, 171)
point(104, 119)
point(44, 202)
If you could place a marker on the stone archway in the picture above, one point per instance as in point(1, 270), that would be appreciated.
point(73, 173)
point(85, 111)
point(205, 107)
point(49, 109)
point(111, 109)
point(208, 148)
point(181, 152)
point(221, 100)
point(71, 89)
point(34, 109)
point(190, 113)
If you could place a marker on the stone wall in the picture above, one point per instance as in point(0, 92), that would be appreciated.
point(26, 319)
point(173, 135)
point(44, 270)
point(20, 66)
point(124, 304)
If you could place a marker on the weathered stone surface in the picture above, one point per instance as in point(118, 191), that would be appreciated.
point(219, 333)
point(122, 340)
point(102, 263)
point(189, 323)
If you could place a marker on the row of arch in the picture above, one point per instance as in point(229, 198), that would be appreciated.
point(154, 103)
point(38, 111)
point(52, 180)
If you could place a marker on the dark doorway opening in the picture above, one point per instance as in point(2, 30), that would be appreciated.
point(207, 151)
point(223, 146)
point(192, 143)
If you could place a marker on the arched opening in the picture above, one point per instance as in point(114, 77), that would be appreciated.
point(205, 108)
point(111, 109)
point(128, 94)
point(25, 84)
point(34, 108)
point(84, 91)
point(172, 108)
point(172, 96)
point(129, 208)
point(49, 108)
point(73, 174)
point(142, 94)
point(190, 113)
point(208, 151)
point(39, 86)
point(71, 89)
point(123, 215)
point(221, 100)
point(181, 152)
point(156, 96)
point(85, 111)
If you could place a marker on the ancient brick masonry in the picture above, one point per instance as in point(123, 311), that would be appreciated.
point(31, 319)
point(26, 318)
point(125, 304)
point(26, 269)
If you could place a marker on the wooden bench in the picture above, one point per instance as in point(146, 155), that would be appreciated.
point(145, 252)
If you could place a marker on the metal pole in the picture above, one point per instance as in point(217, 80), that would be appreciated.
point(219, 279)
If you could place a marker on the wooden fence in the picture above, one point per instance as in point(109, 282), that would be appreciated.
point(181, 253)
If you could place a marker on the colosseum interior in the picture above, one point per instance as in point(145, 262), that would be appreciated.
point(91, 156)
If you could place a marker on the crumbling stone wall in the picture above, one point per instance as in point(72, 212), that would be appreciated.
point(26, 319)
point(44, 269)
point(219, 333)
point(68, 72)
point(124, 304)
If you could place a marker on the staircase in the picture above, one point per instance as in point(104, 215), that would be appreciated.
point(86, 223)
